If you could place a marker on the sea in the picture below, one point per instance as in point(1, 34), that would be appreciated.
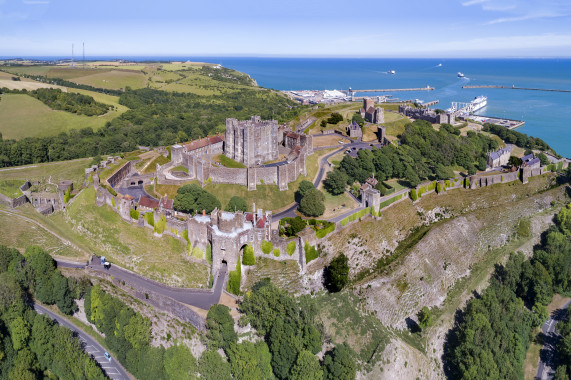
point(546, 114)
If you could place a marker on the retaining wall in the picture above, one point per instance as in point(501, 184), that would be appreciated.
point(120, 174)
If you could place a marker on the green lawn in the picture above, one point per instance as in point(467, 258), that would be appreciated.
point(11, 187)
point(49, 172)
point(394, 123)
point(152, 167)
point(137, 249)
point(23, 116)
point(228, 162)
point(114, 79)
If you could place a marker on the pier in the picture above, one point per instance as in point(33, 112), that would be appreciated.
point(517, 88)
point(427, 88)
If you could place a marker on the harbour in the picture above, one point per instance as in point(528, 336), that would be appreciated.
point(517, 88)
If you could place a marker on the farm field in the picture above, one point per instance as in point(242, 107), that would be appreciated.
point(49, 172)
point(23, 116)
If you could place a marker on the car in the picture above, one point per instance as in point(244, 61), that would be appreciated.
point(107, 356)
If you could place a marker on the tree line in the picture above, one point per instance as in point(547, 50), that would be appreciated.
point(517, 138)
point(32, 346)
point(155, 118)
point(65, 101)
point(492, 333)
point(424, 153)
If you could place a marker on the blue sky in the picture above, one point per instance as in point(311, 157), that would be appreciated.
point(412, 28)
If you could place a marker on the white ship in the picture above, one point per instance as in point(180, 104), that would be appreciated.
point(392, 72)
point(460, 75)
point(479, 102)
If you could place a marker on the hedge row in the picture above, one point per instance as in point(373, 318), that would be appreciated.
point(324, 231)
point(150, 218)
point(360, 214)
point(249, 257)
point(389, 201)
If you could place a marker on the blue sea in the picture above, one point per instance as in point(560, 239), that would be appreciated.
point(546, 114)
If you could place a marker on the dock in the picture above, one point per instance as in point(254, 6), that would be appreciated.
point(517, 88)
point(508, 123)
point(427, 88)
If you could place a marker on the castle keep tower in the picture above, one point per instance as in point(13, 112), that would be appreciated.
point(251, 142)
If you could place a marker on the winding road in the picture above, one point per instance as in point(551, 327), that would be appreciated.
point(113, 369)
point(200, 298)
point(545, 370)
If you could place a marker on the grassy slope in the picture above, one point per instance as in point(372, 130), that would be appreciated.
point(105, 233)
point(23, 116)
point(71, 170)
point(10, 188)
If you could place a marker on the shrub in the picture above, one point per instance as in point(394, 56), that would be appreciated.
point(198, 253)
point(150, 218)
point(438, 188)
point(413, 195)
point(67, 195)
point(267, 247)
point(328, 228)
point(234, 278)
point(276, 252)
point(160, 225)
point(311, 253)
point(248, 255)
point(290, 248)
point(447, 183)
point(135, 215)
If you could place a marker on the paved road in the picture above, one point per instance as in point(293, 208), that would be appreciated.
point(290, 212)
point(194, 297)
point(547, 354)
point(113, 368)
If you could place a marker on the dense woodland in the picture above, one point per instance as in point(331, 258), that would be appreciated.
point(493, 332)
point(155, 118)
point(65, 101)
point(424, 153)
point(517, 138)
point(31, 345)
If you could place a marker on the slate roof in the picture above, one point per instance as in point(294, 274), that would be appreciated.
point(527, 158)
point(532, 162)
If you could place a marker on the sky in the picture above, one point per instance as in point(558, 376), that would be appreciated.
point(298, 28)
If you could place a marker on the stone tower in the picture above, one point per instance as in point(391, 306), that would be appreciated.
point(251, 142)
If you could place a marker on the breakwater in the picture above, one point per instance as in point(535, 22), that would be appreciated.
point(517, 88)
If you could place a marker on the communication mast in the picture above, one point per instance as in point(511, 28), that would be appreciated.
point(83, 43)
point(72, 62)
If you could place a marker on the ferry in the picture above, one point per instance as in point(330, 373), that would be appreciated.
point(460, 75)
point(479, 102)
point(392, 72)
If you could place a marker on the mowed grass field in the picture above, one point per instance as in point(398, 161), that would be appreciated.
point(54, 172)
point(23, 116)
point(101, 229)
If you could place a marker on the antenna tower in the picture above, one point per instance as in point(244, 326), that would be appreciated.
point(83, 43)
point(72, 64)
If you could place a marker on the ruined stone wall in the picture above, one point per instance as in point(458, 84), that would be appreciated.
point(120, 174)
point(13, 202)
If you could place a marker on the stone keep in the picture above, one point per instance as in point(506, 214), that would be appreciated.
point(251, 142)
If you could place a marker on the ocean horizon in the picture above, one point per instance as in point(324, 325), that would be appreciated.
point(546, 114)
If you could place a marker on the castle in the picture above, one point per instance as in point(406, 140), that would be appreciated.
point(251, 142)
point(500, 157)
point(427, 114)
point(371, 113)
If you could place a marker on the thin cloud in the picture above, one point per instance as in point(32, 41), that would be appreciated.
point(36, 2)
point(474, 2)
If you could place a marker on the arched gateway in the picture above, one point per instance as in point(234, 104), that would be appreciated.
point(228, 233)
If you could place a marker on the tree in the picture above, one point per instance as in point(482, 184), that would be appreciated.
point(337, 273)
point(357, 118)
point(236, 203)
point(543, 160)
point(424, 317)
point(411, 176)
point(339, 364)
point(443, 172)
point(285, 345)
point(295, 225)
point(306, 367)
point(248, 255)
point(192, 198)
point(336, 182)
point(514, 161)
point(20, 333)
point(138, 331)
point(179, 363)
point(250, 361)
point(213, 367)
point(303, 188)
point(220, 326)
point(312, 204)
